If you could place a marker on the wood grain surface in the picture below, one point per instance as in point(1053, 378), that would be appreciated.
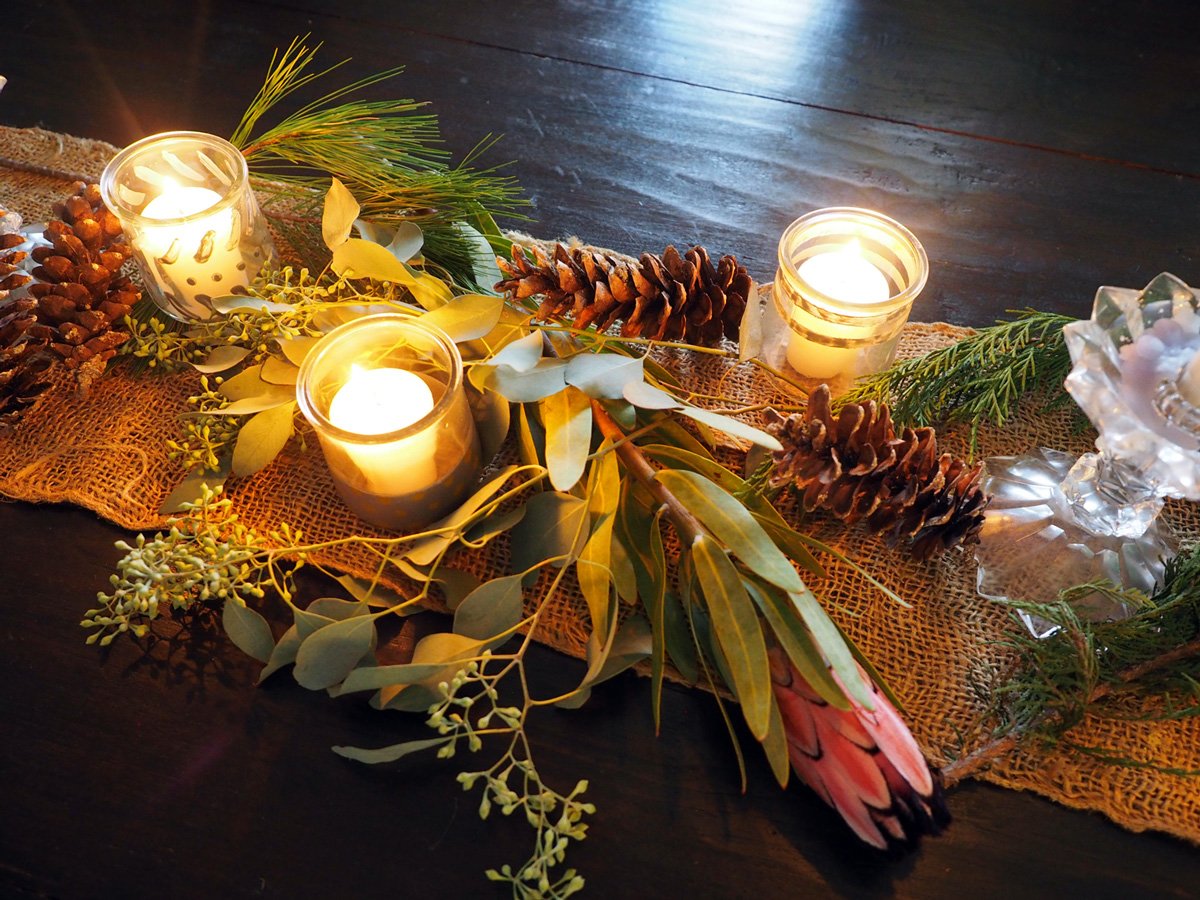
point(1038, 150)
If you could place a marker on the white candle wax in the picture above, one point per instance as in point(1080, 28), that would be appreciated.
point(844, 275)
point(380, 401)
point(192, 258)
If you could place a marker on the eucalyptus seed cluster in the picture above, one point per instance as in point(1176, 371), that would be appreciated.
point(207, 555)
point(207, 437)
point(557, 818)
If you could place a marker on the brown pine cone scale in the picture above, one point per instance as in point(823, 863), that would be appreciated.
point(857, 468)
point(668, 298)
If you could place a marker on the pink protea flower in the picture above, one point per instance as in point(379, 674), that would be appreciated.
point(864, 763)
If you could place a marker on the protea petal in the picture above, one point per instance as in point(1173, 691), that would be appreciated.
point(864, 763)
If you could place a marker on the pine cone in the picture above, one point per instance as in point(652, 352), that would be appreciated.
point(856, 468)
point(77, 296)
point(669, 298)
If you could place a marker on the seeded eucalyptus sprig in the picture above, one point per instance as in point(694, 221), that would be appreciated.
point(1091, 667)
point(978, 379)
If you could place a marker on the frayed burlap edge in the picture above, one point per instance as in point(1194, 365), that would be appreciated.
point(942, 656)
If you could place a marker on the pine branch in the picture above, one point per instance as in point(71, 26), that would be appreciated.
point(978, 379)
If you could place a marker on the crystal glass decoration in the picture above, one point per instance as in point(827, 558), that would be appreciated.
point(1055, 521)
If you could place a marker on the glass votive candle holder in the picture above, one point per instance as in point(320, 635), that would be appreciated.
point(191, 219)
point(385, 395)
point(846, 282)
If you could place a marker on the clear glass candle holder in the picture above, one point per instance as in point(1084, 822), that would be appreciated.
point(385, 396)
point(185, 204)
point(846, 281)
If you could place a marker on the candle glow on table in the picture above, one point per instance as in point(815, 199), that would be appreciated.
point(845, 275)
point(380, 401)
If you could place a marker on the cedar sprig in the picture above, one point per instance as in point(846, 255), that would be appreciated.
point(1100, 668)
point(978, 379)
point(385, 151)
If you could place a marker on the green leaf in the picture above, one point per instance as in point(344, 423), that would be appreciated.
point(445, 647)
point(493, 416)
point(247, 383)
point(632, 644)
point(491, 609)
point(221, 358)
point(272, 396)
point(279, 371)
point(357, 258)
point(373, 678)
point(455, 585)
point(338, 608)
point(389, 754)
point(531, 438)
point(623, 574)
point(483, 260)
point(593, 569)
point(546, 378)
point(309, 623)
point(466, 318)
point(646, 396)
point(426, 550)
point(374, 594)
point(568, 418)
point(831, 644)
point(192, 487)
point(603, 375)
point(413, 698)
point(407, 241)
point(731, 426)
point(775, 745)
point(248, 630)
point(787, 539)
point(522, 354)
point(733, 526)
point(495, 524)
point(668, 429)
point(341, 209)
point(261, 439)
point(297, 348)
point(794, 638)
point(555, 525)
point(736, 628)
point(332, 652)
point(283, 654)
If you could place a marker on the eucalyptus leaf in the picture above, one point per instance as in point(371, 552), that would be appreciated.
point(407, 241)
point(775, 745)
point(374, 594)
point(341, 209)
point(247, 383)
point(491, 609)
point(554, 526)
point(389, 754)
point(221, 358)
point(357, 258)
point(632, 644)
point(647, 396)
point(338, 608)
point(603, 375)
point(406, 698)
point(309, 623)
point(297, 348)
point(248, 630)
point(793, 636)
point(455, 585)
point(426, 550)
point(192, 486)
point(331, 653)
point(546, 378)
point(483, 259)
point(372, 678)
point(736, 629)
point(733, 526)
point(568, 418)
point(531, 437)
point(731, 426)
point(283, 654)
point(495, 524)
point(268, 397)
point(829, 639)
point(279, 371)
point(493, 416)
point(261, 438)
point(522, 354)
point(623, 575)
point(466, 318)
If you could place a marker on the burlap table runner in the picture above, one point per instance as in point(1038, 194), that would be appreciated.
point(105, 452)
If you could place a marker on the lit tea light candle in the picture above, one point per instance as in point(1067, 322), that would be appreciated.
point(185, 204)
point(385, 396)
point(843, 275)
point(381, 401)
point(845, 284)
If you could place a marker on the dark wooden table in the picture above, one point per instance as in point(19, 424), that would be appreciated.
point(1039, 149)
